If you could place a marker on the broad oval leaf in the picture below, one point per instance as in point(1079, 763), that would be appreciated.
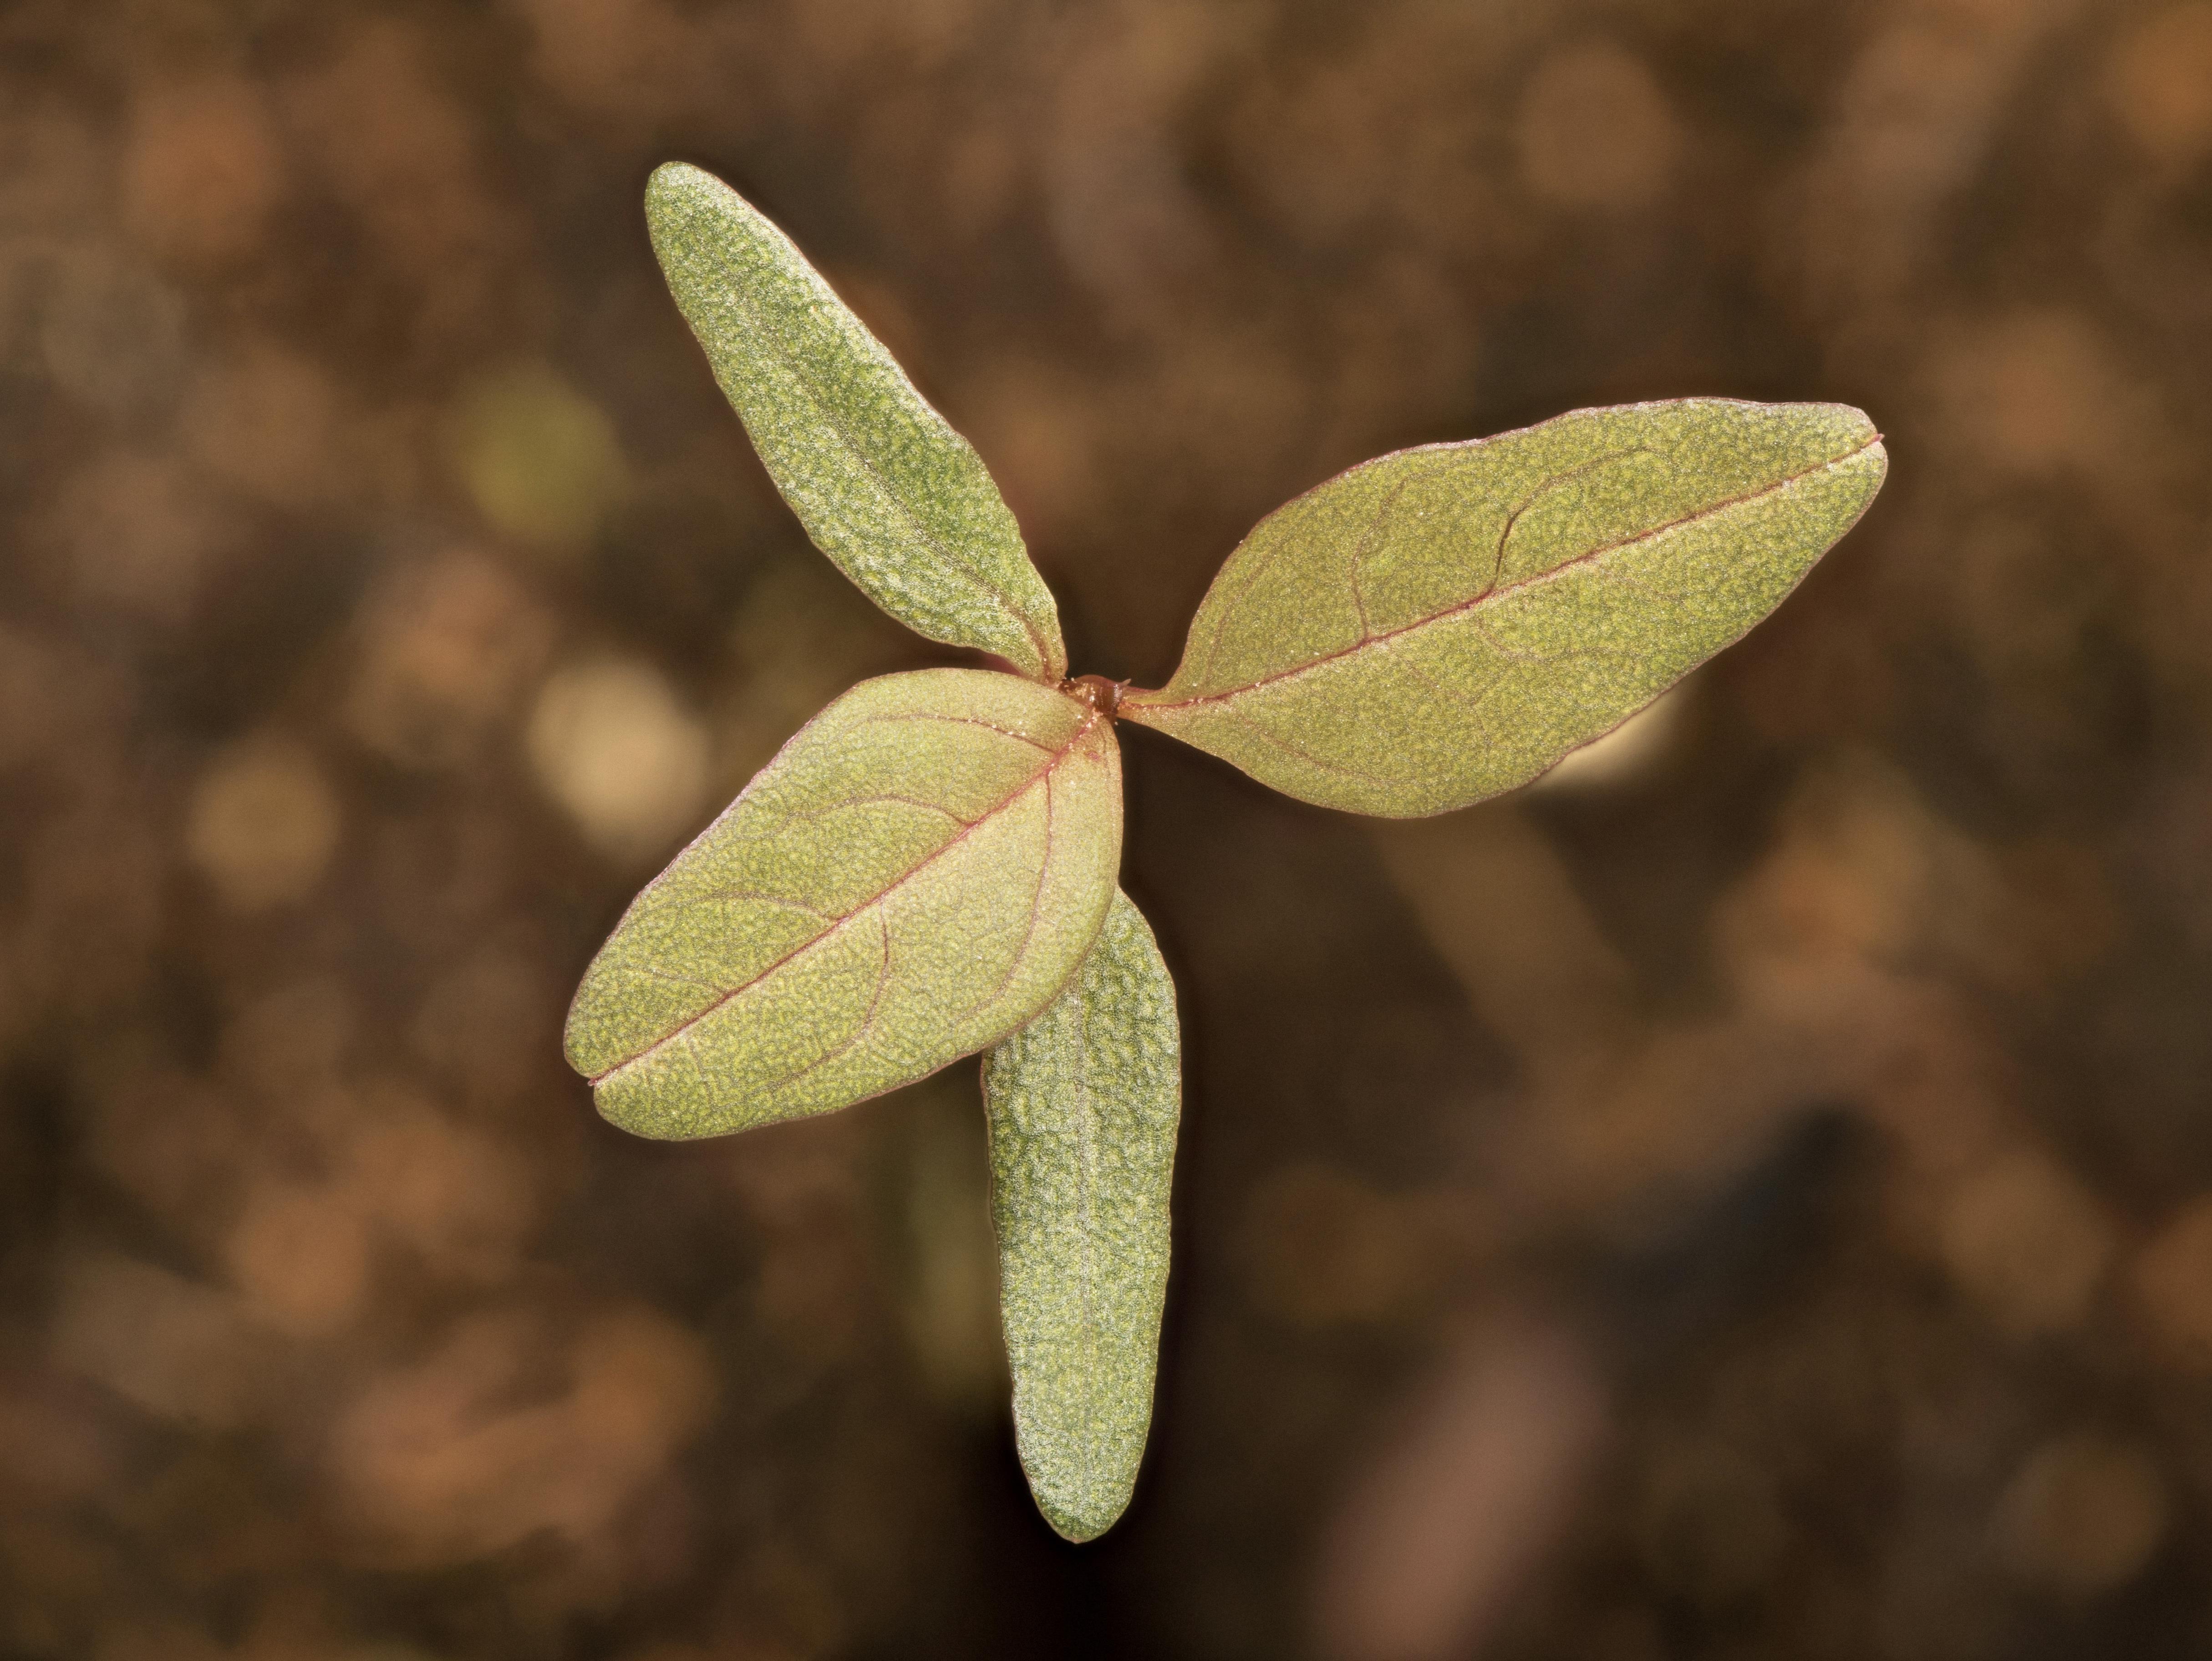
point(1083, 1104)
point(913, 877)
point(901, 502)
point(1440, 624)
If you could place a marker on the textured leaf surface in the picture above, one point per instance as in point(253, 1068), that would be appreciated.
point(1083, 1104)
point(1443, 624)
point(915, 876)
point(887, 490)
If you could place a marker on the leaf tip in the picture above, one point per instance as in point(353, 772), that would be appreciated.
point(1081, 1524)
point(581, 1044)
point(676, 195)
point(1870, 461)
point(649, 1109)
point(1862, 428)
point(672, 179)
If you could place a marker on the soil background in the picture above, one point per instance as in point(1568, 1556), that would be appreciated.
point(1748, 1195)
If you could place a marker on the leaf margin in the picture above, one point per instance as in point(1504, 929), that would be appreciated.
point(1088, 731)
point(1083, 1496)
point(1180, 710)
point(678, 195)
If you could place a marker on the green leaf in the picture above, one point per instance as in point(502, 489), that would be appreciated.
point(913, 877)
point(1083, 1104)
point(1443, 624)
point(887, 490)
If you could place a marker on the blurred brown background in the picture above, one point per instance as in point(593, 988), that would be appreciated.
point(1749, 1196)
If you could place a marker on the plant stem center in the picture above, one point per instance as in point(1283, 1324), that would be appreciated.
point(1096, 691)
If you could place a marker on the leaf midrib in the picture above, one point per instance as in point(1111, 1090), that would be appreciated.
point(1139, 703)
point(1055, 759)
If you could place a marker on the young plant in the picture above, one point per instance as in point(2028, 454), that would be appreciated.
point(927, 870)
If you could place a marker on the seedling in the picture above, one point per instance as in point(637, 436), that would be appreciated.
point(927, 870)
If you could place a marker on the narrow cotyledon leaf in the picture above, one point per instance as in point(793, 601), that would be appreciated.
point(913, 877)
point(1443, 624)
point(1083, 1105)
point(886, 489)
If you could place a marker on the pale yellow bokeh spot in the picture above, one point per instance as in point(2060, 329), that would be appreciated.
point(1636, 747)
point(541, 461)
point(613, 744)
point(263, 824)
